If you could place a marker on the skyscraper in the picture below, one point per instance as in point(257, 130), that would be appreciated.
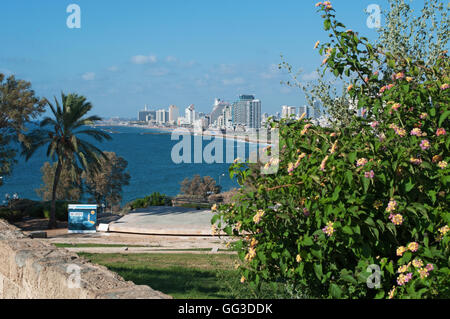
point(288, 111)
point(247, 111)
point(173, 114)
point(190, 114)
point(218, 107)
point(145, 113)
point(303, 109)
point(162, 116)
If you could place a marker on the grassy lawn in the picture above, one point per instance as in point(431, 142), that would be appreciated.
point(184, 276)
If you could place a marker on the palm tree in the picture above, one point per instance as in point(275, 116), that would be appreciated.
point(61, 134)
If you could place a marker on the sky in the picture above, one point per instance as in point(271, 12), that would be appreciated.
point(161, 52)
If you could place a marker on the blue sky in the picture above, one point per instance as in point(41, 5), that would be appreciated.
point(155, 52)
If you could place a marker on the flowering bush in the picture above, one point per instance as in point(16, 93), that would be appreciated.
point(373, 193)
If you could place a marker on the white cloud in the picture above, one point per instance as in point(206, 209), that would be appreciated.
point(88, 76)
point(226, 69)
point(234, 81)
point(271, 72)
point(171, 59)
point(113, 68)
point(159, 71)
point(143, 59)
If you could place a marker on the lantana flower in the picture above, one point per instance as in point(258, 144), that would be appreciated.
point(423, 272)
point(399, 76)
point(403, 279)
point(413, 246)
point(444, 230)
point(416, 132)
point(329, 229)
point(415, 161)
point(425, 144)
point(396, 219)
point(392, 205)
point(442, 164)
point(440, 131)
point(418, 263)
point(361, 162)
point(445, 86)
point(401, 250)
point(257, 218)
point(370, 174)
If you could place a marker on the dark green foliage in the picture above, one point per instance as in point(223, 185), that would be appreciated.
point(154, 199)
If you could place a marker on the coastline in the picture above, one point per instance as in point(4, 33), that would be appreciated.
point(238, 137)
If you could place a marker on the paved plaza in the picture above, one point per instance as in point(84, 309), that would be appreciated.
point(165, 221)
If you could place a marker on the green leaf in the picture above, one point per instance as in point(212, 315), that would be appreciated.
point(347, 230)
point(443, 117)
point(335, 291)
point(318, 271)
point(327, 24)
point(228, 230)
point(307, 241)
point(380, 295)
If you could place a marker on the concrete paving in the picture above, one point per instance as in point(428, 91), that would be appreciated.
point(165, 221)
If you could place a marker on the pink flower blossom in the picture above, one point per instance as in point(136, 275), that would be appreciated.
point(440, 131)
point(425, 144)
point(370, 174)
point(361, 162)
point(416, 132)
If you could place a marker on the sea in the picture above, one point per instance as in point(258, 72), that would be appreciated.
point(150, 164)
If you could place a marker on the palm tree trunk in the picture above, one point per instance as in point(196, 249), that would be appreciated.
point(52, 221)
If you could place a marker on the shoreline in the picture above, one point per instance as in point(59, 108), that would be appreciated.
point(242, 138)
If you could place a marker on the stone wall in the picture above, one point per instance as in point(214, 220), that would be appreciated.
point(33, 268)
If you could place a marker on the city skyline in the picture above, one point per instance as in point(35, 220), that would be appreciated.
point(161, 53)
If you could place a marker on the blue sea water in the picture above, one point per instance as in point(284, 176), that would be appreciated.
point(150, 165)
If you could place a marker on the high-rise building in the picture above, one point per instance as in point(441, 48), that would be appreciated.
point(303, 109)
point(288, 111)
point(218, 107)
point(247, 111)
point(314, 112)
point(173, 114)
point(162, 116)
point(190, 114)
point(145, 113)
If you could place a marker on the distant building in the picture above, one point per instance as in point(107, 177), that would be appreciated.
point(162, 116)
point(173, 114)
point(314, 112)
point(190, 114)
point(218, 107)
point(145, 113)
point(302, 110)
point(288, 111)
point(247, 111)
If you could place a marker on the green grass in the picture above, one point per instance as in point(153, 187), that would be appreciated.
point(183, 276)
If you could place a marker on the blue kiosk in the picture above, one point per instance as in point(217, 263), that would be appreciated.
point(82, 219)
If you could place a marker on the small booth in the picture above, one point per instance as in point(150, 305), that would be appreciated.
point(82, 218)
